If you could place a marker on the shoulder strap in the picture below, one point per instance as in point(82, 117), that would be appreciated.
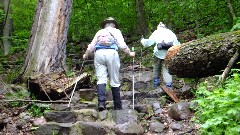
point(112, 36)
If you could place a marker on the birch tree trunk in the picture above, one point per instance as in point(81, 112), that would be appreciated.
point(47, 43)
point(7, 28)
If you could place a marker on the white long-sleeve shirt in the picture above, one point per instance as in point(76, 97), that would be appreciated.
point(116, 34)
point(158, 36)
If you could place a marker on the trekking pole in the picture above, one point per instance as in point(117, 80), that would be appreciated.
point(139, 77)
point(133, 77)
point(75, 86)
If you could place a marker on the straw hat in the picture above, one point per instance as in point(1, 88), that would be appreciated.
point(109, 20)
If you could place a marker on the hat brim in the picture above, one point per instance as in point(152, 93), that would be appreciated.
point(109, 21)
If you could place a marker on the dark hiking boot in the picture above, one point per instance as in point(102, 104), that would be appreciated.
point(116, 98)
point(101, 107)
point(101, 88)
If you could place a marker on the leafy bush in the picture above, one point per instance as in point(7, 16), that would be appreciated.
point(237, 24)
point(219, 108)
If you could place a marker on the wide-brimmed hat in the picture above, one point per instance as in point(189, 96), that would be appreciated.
point(109, 20)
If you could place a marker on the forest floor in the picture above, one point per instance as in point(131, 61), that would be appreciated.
point(12, 123)
point(13, 113)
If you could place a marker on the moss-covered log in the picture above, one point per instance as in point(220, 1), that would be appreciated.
point(203, 57)
point(55, 85)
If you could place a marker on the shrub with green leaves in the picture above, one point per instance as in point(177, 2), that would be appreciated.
point(219, 108)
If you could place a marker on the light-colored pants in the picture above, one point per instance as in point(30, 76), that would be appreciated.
point(107, 64)
point(158, 65)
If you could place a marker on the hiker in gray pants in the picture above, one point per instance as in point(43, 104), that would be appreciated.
point(105, 44)
point(163, 38)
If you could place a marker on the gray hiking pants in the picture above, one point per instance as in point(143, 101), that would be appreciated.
point(107, 64)
point(159, 67)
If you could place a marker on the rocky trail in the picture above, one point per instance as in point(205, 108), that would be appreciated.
point(154, 113)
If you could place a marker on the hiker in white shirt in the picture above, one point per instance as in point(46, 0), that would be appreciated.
point(106, 44)
point(162, 38)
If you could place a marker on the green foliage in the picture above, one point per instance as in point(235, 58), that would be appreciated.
point(2, 15)
point(219, 110)
point(22, 13)
point(37, 110)
point(86, 17)
point(237, 24)
point(18, 93)
point(22, 93)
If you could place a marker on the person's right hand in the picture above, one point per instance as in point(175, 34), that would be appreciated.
point(84, 56)
point(132, 54)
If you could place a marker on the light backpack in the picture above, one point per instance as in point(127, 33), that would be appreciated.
point(106, 40)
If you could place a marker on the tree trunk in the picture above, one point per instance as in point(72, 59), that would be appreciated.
point(203, 57)
point(47, 43)
point(7, 28)
point(142, 27)
point(169, 14)
point(231, 8)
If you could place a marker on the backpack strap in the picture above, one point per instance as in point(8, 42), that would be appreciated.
point(113, 36)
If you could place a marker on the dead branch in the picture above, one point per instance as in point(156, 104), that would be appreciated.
point(36, 101)
point(228, 68)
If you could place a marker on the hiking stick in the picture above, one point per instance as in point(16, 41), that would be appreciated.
point(75, 87)
point(133, 77)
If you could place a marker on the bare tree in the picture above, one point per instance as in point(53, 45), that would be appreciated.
point(47, 43)
point(7, 27)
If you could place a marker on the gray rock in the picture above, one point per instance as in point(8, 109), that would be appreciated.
point(156, 108)
point(175, 126)
point(95, 128)
point(54, 128)
point(180, 111)
point(129, 129)
point(61, 116)
point(156, 127)
point(88, 115)
point(103, 115)
point(124, 116)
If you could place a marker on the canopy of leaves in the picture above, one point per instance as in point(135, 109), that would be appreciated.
point(202, 17)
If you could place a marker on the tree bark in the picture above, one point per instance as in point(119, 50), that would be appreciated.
point(54, 86)
point(7, 28)
point(142, 27)
point(231, 8)
point(203, 57)
point(47, 43)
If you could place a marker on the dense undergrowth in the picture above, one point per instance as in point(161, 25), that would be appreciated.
point(218, 108)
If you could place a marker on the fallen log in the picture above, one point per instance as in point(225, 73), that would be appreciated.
point(203, 57)
point(54, 86)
